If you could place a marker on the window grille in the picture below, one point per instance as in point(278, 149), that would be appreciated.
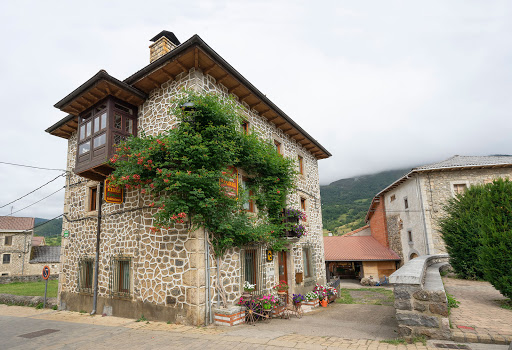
point(120, 281)
point(253, 269)
point(85, 275)
point(6, 259)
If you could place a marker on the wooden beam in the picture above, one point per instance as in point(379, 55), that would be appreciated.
point(285, 130)
point(129, 99)
point(221, 79)
point(273, 118)
point(155, 83)
point(292, 135)
point(167, 74)
point(209, 69)
point(265, 111)
point(93, 95)
point(80, 104)
point(73, 109)
point(183, 68)
point(278, 125)
point(196, 58)
point(230, 90)
point(85, 98)
point(256, 104)
point(242, 98)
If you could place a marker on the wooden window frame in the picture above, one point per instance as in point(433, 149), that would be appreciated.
point(9, 259)
point(117, 280)
point(86, 275)
point(459, 188)
point(392, 198)
point(92, 198)
point(251, 208)
point(406, 203)
point(8, 241)
point(277, 144)
point(303, 204)
point(306, 260)
point(245, 127)
point(301, 164)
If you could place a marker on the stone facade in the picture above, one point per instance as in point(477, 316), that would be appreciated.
point(414, 231)
point(17, 253)
point(168, 268)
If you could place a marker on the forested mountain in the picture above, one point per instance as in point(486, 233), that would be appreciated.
point(345, 202)
point(52, 228)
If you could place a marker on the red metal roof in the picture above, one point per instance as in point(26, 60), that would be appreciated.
point(16, 223)
point(356, 248)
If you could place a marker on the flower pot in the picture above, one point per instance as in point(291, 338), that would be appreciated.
point(324, 302)
point(247, 296)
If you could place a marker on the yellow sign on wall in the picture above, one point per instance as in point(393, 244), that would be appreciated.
point(230, 186)
point(113, 194)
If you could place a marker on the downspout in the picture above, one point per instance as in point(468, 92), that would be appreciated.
point(423, 214)
point(24, 247)
point(218, 281)
point(207, 274)
point(97, 261)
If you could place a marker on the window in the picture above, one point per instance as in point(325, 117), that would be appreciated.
point(245, 127)
point(5, 274)
point(301, 165)
point(85, 275)
point(303, 204)
point(278, 146)
point(6, 259)
point(250, 266)
point(393, 197)
point(409, 234)
point(249, 203)
point(459, 188)
point(406, 203)
point(93, 198)
point(8, 240)
point(121, 277)
point(306, 257)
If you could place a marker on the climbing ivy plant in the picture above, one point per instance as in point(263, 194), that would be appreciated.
point(181, 169)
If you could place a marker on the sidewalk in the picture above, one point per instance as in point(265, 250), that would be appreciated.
point(478, 319)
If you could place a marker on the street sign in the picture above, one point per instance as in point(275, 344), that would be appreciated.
point(46, 275)
point(46, 272)
point(66, 234)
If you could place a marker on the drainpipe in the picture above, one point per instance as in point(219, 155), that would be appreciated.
point(423, 214)
point(97, 262)
point(24, 247)
point(218, 281)
point(207, 263)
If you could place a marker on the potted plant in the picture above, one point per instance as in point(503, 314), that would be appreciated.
point(281, 287)
point(248, 289)
point(298, 299)
point(311, 299)
point(332, 294)
point(321, 291)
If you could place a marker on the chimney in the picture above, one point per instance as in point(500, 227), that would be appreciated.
point(162, 43)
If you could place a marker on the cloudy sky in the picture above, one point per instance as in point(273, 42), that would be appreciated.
point(380, 84)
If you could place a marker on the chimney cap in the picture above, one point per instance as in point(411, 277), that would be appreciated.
point(168, 35)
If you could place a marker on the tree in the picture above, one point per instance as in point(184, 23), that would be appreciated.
point(477, 231)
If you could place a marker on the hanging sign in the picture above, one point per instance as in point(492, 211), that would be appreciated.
point(113, 194)
point(230, 186)
point(270, 255)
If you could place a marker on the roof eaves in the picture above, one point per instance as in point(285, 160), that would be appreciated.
point(196, 40)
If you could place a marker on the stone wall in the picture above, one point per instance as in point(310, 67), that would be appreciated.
point(26, 278)
point(420, 299)
point(395, 225)
point(168, 267)
point(437, 189)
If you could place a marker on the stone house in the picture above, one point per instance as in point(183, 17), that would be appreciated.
point(15, 237)
point(170, 275)
point(406, 213)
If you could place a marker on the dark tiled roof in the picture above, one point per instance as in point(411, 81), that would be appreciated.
point(16, 223)
point(356, 248)
point(45, 254)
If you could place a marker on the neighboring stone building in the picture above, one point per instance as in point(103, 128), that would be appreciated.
point(38, 241)
point(165, 275)
point(412, 206)
point(15, 237)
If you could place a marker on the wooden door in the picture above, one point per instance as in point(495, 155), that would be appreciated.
point(283, 271)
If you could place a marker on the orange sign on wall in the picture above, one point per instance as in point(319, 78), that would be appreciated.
point(230, 186)
point(113, 194)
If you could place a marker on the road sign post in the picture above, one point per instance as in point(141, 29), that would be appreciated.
point(46, 275)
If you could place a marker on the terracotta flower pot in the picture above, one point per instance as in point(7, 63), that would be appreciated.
point(324, 302)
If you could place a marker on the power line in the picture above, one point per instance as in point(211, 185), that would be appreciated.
point(60, 189)
point(31, 166)
point(3, 206)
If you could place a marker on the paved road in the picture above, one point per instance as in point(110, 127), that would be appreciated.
point(27, 328)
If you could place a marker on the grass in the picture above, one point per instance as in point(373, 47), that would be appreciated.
point(506, 304)
point(452, 302)
point(368, 296)
point(418, 339)
point(141, 319)
point(30, 288)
